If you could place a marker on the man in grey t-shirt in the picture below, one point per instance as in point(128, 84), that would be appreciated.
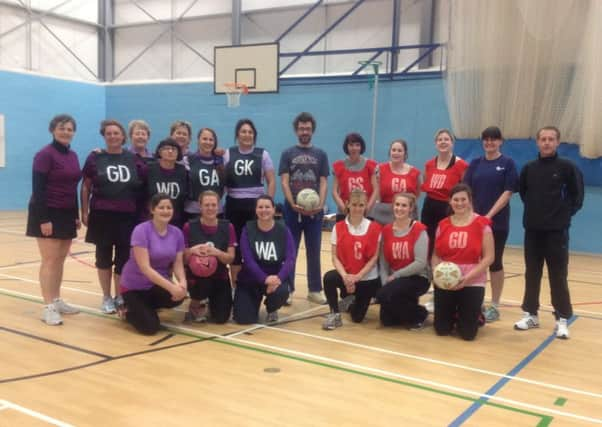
point(305, 166)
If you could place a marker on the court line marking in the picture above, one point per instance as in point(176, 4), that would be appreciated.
point(37, 263)
point(54, 342)
point(469, 412)
point(22, 279)
point(307, 357)
point(376, 349)
point(249, 345)
point(547, 307)
point(34, 414)
point(437, 362)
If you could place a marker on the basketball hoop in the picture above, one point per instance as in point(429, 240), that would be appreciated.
point(233, 92)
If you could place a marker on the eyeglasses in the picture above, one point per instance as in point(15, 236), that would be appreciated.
point(168, 148)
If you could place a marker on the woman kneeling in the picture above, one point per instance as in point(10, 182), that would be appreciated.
point(268, 252)
point(355, 243)
point(463, 238)
point(157, 251)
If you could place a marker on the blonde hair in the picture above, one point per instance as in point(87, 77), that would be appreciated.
point(411, 197)
point(357, 194)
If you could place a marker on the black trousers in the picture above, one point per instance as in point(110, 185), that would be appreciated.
point(398, 301)
point(247, 300)
point(219, 293)
point(461, 309)
point(553, 248)
point(364, 291)
point(142, 308)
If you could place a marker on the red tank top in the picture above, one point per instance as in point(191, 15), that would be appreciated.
point(399, 251)
point(392, 183)
point(355, 251)
point(349, 180)
point(461, 244)
point(439, 182)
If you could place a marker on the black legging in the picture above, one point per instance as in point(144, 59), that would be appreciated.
point(364, 291)
point(461, 309)
point(142, 308)
point(432, 212)
point(398, 301)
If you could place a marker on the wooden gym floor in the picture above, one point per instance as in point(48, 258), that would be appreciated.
point(95, 370)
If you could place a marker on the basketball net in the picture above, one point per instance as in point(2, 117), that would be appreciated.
point(233, 92)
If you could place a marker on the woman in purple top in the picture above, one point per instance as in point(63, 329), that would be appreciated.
point(246, 168)
point(146, 283)
point(209, 236)
point(268, 250)
point(113, 178)
point(53, 218)
point(493, 178)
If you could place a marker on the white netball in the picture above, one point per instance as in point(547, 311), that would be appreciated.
point(308, 199)
point(447, 275)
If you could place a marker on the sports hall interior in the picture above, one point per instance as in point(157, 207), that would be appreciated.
point(457, 64)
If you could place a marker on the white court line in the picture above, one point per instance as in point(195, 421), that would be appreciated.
point(550, 308)
point(21, 279)
point(87, 257)
point(354, 366)
point(34, 414)
point(437, 362)
point(392, 374)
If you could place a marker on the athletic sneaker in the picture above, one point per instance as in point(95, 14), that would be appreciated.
point(317, 297)
point(491, 314)
point(562, 329)
point(196, 314)
point(430, 306)
point(51, 315)
point(64, 308)
point(118, 301)
point(272, 317)
point(289, 300)
point(108, 305)
point(528, 321)
point(333, 321)
point(345, 303)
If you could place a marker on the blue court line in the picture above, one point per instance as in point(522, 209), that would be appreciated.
point(503, 381)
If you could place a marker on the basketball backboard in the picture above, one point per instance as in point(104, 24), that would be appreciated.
point(255, 65)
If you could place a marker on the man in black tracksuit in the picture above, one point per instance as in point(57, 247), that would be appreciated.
point(551, 189)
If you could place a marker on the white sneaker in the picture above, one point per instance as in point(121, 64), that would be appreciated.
point(51, 316)
point(562, 329)
point(272, 317)
point(317, 297)
point(63, 307)
point(528, 321)
point(289, 300)
point(430, 306)
point(108, 305)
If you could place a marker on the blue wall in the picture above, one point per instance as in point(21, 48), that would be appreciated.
point(585, 225)
point(412, 110)
point(28, 103)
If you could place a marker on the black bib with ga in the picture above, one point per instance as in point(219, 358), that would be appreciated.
point(204, 177)
point(268, 248)
point(244, 170)
point(117, 176)
point(173, 183)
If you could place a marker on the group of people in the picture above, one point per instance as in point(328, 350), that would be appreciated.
point(149, 215)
